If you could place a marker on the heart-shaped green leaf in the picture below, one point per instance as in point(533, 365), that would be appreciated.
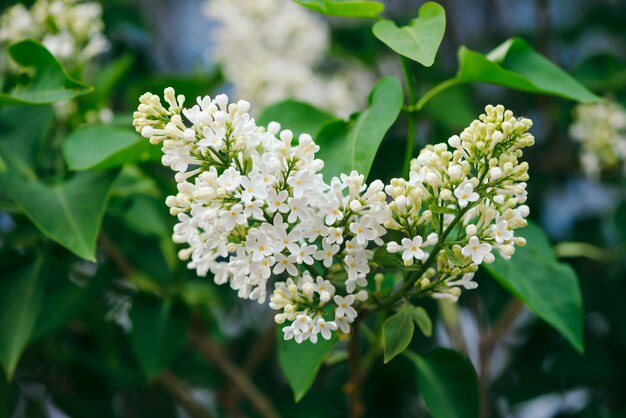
point(546, 286)
point(448, 383)
point(352, 145)
point(49, 82)
point(301, 362)
point(98, 147)
point(297, 116)
point(397, 333)
point(345, 8)
point(419, 40)
point(21, 295)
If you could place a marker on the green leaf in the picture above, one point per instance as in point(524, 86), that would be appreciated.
point(419, 40)
point(345, 8)
point(158, 334)
point(69, 213)
point(448, 383)
point(301, 362)
point(421, 319)
point(106, 146)
point(298, 116)
point(9, 396)
point(516, 65)
point(546, 286)
point(397, 334)
point(49, 82)
point(352, 145)
point(20, 301)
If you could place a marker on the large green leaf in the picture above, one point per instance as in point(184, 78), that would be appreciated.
point(158, 334)
point(516, 65)
point(48, 83)
point(448, 383)
point(419, 40)
point(301, 362)
point(20, 301)
point(397, 334)
point(546, 286)
point(106, 146)
point(298, 116)
point(352, 145)
point(421, 319)
point(345, 8)
point(69, 213)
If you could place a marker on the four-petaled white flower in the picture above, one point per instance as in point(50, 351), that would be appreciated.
point(501, 231)
point(344, 307)
point(326, 253)
point(412, 249)
point(465, 193)
point(476, 250)
point(323, 327)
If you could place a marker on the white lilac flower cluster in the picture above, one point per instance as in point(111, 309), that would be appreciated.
point(70, 29)
point(601, 130)
point(252, 205)
point(284, 44)
point(459, 205)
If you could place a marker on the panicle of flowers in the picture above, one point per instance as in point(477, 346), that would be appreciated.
point(286, 45)
point(70, 29)
point(253, 205)
point(600, 128)
point(462, 200)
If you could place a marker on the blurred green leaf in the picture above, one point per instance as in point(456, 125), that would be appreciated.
point(301, 362)
point(345, 8)
point(69, 213)
point(297, 116)
point(62, 301)
point(107, 80)
point(9, 395)
point(158, 334)
point(48, 83)
point(352, 145)
point(106, 146)
point(514, 64)
point(397, 333)
point(421, 319)
point(546, 286)
point(20, 301)
point(448, 383)
point(419, 40)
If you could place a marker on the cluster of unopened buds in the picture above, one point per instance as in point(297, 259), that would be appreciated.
point(252, 206)
point(600, 128)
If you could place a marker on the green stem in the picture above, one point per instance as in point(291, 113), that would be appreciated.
point(410, 141)
point(444, 85)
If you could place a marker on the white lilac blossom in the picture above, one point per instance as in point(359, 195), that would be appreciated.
point(460, 204)
point(286, 45)
point(70, 29)
point(252, 205)
point(601, 131)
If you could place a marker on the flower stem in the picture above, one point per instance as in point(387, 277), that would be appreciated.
point(410, 138)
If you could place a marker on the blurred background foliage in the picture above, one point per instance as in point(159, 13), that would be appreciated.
point(135, 334)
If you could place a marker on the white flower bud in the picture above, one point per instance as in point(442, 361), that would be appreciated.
point(454, 141)
point(471, 230)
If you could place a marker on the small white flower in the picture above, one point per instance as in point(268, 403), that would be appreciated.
point(230, 179)
point(465, 193)
point(285, 263)
point(276, 201)
point(465, 281)
point(335, 235)
point(476, 250)
point(324, 328)
point(412, 249)
point(302, 253)
point(344, 307)
point(501, 231)
point(233, 216)
point(326, 253)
